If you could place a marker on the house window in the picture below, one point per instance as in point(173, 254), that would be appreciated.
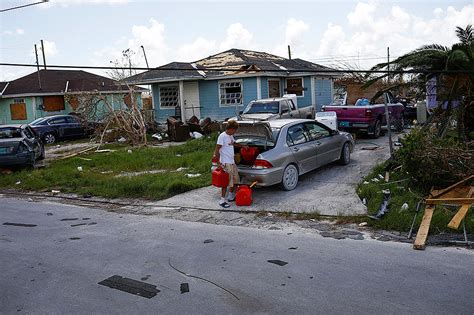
point(53, 103)
point(18, 101)
point(295, 86)
point(273, 88)
point(169, 96)
point(18, 111)
point(230, 92)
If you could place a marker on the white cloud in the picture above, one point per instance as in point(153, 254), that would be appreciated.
point(20, 31)
point(198, 49)
point(372, 28)
point(152, 37)
point(237, 37)
point(50, 48)
point(295, 32)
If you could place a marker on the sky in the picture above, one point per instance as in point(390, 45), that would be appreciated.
point(338, 33)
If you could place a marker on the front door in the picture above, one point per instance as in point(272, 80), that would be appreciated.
point(274, 88)
point(191, 100)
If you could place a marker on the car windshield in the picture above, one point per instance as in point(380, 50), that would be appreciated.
point(262, 107)
point(10, 132)
point(37, 121)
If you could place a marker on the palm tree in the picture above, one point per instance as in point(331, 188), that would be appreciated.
point(453, 69)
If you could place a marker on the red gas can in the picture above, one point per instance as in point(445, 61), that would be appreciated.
point(243, 196)
point(220, 178)
point(249, 154)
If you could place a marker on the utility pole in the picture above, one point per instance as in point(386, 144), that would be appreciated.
point(144, 54)
point(385, 101)
point(37, 67)
point(289, 52)
point(44, 57)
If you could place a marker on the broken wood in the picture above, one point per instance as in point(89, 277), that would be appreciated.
point(461, 214)
point(455, 201)
point(77, 153)
point(422, 235)
point(436, 193)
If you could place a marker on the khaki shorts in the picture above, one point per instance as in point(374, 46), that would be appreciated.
point(233, 172)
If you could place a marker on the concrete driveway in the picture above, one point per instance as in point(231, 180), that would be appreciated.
point(328, 191)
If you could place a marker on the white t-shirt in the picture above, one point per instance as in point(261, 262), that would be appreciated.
point(226, 152)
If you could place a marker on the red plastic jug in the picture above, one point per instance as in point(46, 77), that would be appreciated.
point(243, 196)
point(220, 178)
point(249, 154)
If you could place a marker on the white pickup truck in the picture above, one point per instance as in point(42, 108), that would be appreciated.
point(275, 108)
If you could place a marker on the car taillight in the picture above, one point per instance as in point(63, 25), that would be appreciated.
point(368, 113)
point(260, 164)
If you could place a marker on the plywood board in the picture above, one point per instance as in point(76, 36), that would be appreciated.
point(53, 103)
point(422, 235)
point(18, 111)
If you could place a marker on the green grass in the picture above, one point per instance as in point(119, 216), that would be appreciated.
point(63, 175)
point(403, 192)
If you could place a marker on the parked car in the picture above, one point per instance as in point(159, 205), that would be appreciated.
point(275, 108)
point(59, 127)
point(288, 148)
point(19, 145)
point(367, 117)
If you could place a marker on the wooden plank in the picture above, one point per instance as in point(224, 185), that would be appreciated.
point(436, 193)
point(18, 111)
point(422, 234)
point(454, 201)
point(53, 103)
point(458, 217)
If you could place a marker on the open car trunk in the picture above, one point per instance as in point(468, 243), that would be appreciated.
point(257, 136)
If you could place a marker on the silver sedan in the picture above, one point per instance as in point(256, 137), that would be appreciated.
point(288, 148)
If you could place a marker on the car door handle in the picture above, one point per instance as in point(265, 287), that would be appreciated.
point(296, 149)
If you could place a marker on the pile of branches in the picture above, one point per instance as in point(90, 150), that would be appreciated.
point(95, 109)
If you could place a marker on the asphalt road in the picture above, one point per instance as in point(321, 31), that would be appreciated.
point(55, 266)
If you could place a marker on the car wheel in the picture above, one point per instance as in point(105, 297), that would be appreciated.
point(49, 138)
point(377, 129)
point(290, 178)
point(345, 154)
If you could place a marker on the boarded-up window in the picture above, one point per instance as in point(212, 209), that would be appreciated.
point(274, 88)
point(294, 86)
point(53, 103)
point(147, 103)
point(18, 111)
point(127, 99)
point(74, 102)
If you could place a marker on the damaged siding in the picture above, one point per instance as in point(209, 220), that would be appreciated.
point(323, 91)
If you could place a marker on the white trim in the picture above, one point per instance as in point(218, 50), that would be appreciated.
point(34, 107)
point(175, 84)
point(268, 86)
point(4, 88)
point(181, 100)
point(302, 85)
point(241, 92)
point(259, 88)
point(313, 92)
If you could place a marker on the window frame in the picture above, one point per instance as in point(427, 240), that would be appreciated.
point(178, 99)
point(268, 87)
point(241, 92)
point(302, 85)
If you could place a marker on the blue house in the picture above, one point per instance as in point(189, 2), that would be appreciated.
point(220, 85)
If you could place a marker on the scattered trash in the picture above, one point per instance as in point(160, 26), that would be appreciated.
point(18, 182)
point(375, 180)
point(381, 176)
point(131, 286)
point(181, 169)
point(362, 224)
point(178, 155)
point(365, 183)
point(184, 288)
point(79, 168)
point(122, 140)
point(157, 136)
point(106, 172)
point(383, 206)
point(405, 206)
point(140, 173)
point(192, 175)
point(208, 241)
point(104, 151)
point(313, 220)
point(196, 135)
point(277, 262)
point(387, 176)
point(397, 144)
point(55, 192)
point(269, 214)
point(364, 202)
point(129, 151)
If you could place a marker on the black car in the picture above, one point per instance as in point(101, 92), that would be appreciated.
point(59, 127)
point(19, 145)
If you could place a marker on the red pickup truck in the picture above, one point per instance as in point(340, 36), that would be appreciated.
point(366, 117)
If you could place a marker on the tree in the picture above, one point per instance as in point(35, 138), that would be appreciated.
point(119, 73)
point(452, 68)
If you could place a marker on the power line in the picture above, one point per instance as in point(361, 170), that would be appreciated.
point(248, 70)
point(23, 6)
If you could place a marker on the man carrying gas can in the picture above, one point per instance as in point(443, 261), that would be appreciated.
point(224, 154)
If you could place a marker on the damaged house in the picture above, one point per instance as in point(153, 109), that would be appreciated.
point(219, 85)
point(53, 92)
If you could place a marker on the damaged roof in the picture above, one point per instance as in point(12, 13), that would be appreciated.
point(233, 62)
point(56, 81)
